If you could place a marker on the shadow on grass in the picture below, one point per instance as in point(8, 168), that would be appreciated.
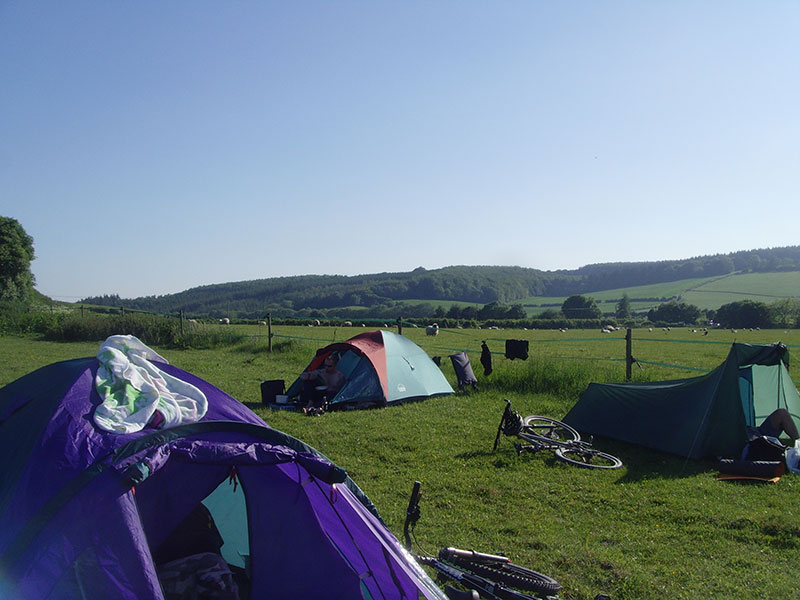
point(643, 464)
point(639, 463)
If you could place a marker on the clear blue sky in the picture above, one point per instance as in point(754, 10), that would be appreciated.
point(150, 147)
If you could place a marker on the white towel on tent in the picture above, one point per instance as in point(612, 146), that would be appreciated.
point(133, 388)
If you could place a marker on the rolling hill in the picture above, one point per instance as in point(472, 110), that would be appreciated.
point(707, 282)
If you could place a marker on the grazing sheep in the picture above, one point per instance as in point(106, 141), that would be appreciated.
point(225, 321)
point(316, 322)
point(262, 322)
point(348, 323)
point(432, 329)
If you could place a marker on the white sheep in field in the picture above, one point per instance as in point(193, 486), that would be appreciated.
point(348, 323)
point(225, 321)
point(262, 322)
point(432, 329)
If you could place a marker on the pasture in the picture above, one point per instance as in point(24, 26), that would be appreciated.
point(660, 527)
point(707, 293)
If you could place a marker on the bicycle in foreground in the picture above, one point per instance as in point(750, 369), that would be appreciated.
point(544, 433)
point(486, 576)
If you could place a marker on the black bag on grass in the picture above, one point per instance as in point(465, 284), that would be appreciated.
point(764, 448)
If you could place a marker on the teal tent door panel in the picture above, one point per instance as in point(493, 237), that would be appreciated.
point(746, 395)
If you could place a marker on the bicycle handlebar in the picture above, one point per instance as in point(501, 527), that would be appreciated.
point(412, 513)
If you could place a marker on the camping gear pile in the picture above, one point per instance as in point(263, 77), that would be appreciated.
point(83, 510)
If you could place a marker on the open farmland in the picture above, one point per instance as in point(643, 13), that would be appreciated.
point(707, 293)
point(660, 527)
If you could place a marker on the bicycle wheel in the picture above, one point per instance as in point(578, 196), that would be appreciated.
point(549, 428)
point(588, 458)
point(511, 575)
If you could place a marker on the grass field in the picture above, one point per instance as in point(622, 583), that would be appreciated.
point(707, 293)
point(660, 527)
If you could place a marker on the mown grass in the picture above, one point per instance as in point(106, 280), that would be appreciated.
point(660, 527)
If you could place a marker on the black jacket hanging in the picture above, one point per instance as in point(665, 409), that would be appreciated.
point(486, 359)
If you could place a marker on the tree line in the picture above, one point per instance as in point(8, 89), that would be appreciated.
point(421, 292)
point(389, 292)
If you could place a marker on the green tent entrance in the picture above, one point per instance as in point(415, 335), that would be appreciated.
point(696, 417)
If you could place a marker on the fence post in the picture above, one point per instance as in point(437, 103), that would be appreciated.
point(399, 325)
point(628, 355)
point(269, 331)
point(181, 322)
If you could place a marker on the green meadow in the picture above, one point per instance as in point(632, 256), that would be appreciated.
point(660, 527)
point(708, 293)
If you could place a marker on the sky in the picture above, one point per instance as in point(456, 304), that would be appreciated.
point(151, 147)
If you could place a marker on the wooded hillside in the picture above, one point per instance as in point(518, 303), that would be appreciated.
point(306, 294)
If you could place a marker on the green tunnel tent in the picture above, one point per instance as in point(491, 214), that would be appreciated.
point(697, 417)
point(380, 368)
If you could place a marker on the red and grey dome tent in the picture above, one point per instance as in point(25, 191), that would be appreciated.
point(380, 368)
point(82, 509)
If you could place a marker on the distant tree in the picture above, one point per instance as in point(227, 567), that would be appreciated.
point(16, 254)
point(674, 312)
point(623, 310)
point(454, 312)
point(785, 312)
point(439, 312)
point(746, 313)
point(493, 310)
point(516, 311)
point(580, 307)
point(469, 312)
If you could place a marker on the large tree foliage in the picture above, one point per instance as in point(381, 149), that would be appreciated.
point(16, 254)
point(785, 312)
point(623, 310)
point(746, 313)
point(674, 312)
point(580, 307)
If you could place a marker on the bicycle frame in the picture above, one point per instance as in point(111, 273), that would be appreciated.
point(573, 450)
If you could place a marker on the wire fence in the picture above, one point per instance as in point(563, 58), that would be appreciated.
point(400, 323)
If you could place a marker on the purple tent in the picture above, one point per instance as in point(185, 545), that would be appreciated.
point(81, 509)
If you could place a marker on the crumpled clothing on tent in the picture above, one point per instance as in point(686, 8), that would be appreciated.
point(486, 359)
point(517, 349)
point(135, 391)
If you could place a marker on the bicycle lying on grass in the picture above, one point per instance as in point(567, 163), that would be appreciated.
point(544, 433)
point(484, 575)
